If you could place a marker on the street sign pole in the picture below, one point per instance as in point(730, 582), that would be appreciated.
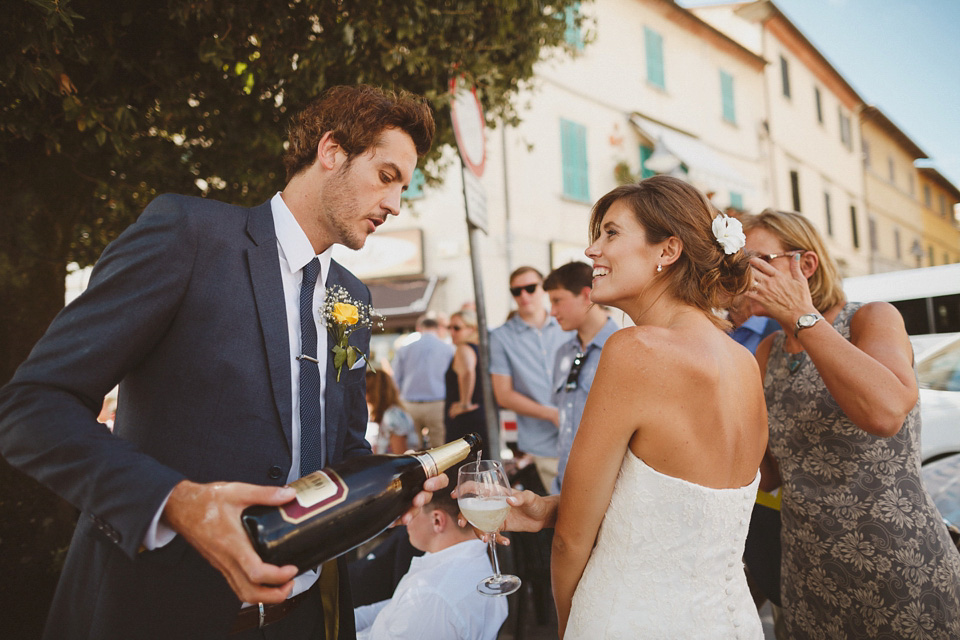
point(469, 130)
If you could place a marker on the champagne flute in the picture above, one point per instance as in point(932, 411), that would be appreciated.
point(482, 491)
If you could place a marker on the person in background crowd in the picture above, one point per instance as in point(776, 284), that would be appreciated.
point(418, 368)
point(438, 599)
point(208, 316)
point(568, 288)
point(748, 330)
point(865, 553)
point(463, 407)
point(397, 433)
point(522, 353)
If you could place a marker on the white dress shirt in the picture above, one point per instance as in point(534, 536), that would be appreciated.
point(295, 252)
point(438, 600)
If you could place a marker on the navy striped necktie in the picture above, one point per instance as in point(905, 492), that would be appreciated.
point(311, 418)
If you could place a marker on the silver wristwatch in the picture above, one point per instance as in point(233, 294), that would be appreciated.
point(806, 321)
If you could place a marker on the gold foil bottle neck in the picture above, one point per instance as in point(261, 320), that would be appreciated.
point(437, 460)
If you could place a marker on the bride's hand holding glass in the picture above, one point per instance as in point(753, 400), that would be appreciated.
point(482, 491)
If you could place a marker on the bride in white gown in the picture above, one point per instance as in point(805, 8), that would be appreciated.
point(662, 476)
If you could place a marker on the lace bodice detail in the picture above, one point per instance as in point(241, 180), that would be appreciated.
point(668, 562)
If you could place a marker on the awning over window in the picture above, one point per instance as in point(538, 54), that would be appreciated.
point(707, 169)
point(402, 300)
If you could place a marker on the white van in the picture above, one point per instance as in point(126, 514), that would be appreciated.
point(929, 300)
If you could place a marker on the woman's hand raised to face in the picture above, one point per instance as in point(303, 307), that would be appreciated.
point(785, 295)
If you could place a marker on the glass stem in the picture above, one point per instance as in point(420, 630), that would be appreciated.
point(493, 554)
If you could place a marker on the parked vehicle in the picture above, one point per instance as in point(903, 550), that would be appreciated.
point(928, 298)
point(938, 372)
point(929, 301)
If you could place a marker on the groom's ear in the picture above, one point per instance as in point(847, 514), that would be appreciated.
point(329, 152)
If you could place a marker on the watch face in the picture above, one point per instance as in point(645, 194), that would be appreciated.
point(807, 320)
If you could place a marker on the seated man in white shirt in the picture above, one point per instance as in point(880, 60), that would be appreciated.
point(438, 598)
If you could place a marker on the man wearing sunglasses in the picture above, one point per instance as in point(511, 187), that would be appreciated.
point(522, 351)
point(568, 288)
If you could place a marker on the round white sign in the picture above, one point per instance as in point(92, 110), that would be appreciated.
point(469, 128)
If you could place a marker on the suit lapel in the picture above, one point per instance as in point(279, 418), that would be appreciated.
point(333, 391)
point(264, 262)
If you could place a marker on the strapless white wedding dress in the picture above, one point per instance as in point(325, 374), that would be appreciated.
point(668, 562)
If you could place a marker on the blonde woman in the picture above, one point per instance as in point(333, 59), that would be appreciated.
point(865, 554)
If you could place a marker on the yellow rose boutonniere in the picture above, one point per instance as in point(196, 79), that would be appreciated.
point(343, 315)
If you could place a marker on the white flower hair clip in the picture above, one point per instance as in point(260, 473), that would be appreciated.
point(729, 233)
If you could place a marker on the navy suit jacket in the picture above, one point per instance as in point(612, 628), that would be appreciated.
point(185, 311)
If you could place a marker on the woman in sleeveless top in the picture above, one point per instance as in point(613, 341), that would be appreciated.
point(463, 406)
point(865, 554)
point(663, 472)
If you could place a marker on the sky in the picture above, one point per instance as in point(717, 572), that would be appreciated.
point(902, 56)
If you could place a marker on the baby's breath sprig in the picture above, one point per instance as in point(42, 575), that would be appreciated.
point(343, 315)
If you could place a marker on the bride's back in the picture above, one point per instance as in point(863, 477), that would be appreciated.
point(709, 424)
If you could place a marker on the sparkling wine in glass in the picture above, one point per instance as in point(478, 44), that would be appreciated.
point(482, 491)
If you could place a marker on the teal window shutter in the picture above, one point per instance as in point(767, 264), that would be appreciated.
point(736, 200)
point(654, 48)
point(645, 153)
point(415, 190)
point(726, 93)
point(573, 148)
point(572, 35)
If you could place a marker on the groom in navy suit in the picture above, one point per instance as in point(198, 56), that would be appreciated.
point(201, 311)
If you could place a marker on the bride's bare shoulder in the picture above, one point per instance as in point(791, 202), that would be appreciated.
point(633, 346)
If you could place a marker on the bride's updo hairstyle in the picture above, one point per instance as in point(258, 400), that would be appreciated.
point(704, 276)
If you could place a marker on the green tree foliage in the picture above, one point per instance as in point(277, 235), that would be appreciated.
point(104, 105)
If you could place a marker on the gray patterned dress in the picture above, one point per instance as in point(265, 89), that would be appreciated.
point(865, 552)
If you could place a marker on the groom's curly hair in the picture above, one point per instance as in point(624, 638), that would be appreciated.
point(357, 116)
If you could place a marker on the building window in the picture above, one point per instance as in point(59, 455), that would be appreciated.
point(653, 42)
point(912, 183)
point(896, 244)
point(854, 230)
point(943, 206)
point(726, 95)
point(872, 230)
point(927, 198)
point(890, 170)
point(816, 97)
point(785, 76)
point(866, 153)
point(645, 153)
point(415, 190)
point(736, 200)
point(826, 208)
point(573, 148)
point(572, 35)
point(795, 189)
point(930, 253)
point(846, 136)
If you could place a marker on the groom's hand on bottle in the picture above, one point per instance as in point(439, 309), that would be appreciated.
point(208, 517)
point(432, 484)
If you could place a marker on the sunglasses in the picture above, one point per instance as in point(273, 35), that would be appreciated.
point(574, 376)
point(770, 257)
point(457, 327)
point(529, 288)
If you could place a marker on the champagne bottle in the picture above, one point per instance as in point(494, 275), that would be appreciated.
point(342, 506)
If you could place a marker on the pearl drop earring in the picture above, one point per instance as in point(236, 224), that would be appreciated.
point(659, 267)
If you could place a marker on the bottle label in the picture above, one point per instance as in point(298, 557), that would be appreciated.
point(316, 493)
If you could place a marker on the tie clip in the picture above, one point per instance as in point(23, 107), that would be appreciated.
point(305, 357)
